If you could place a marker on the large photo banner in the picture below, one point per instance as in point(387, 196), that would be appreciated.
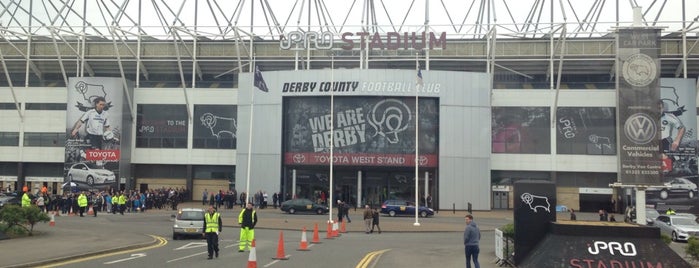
point(94, 119)
point(521, 130)
point(678, 146)
point(367, 131)
point(638, 72)
point(586, 130)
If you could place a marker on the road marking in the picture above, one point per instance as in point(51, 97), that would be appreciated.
point(185, 257)
point(133, 256)
point(369, 258)
point(275, 261)
point(232, 245)
point(161, 242)
point(192, 245)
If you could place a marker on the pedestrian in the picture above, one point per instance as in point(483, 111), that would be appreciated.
point(92, 202)
point(82, 203)
point(212, 228)
point(375, 220)
point(40, 202)
point(670, 211)
point(275, 198)
point(472, 236)
point(572, 215)
point(368, 218)
point(247, 220)
point(345, 211)
point(611, 218)
point(340, 211)
point(26, 200)
point(204, 197)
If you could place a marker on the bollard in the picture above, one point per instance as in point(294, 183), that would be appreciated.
point(469, 208)
point(453, 208)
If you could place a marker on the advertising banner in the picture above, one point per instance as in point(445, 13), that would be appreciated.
point(370, 131)
point(161, 126)
point(217, 126)
point(586, 130)
point(521, 130)
point(638, 72)
point(94, 129)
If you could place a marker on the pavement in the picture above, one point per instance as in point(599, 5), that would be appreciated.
point(72, 237)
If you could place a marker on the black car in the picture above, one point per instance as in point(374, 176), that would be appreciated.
point(395, 207)
point(303, 205)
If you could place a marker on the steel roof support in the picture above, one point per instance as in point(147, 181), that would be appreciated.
point(124, 85)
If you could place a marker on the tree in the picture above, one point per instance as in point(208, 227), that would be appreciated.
point(23, 217)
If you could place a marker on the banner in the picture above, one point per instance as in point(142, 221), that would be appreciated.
point(374, 131)
point(215, 126)
point(586, 130)
point(161, 126)
point(521, 130)
point(94, 120)
point(638, 72)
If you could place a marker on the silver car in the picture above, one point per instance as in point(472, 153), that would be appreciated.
point(188, 222)
point(84, 173)
point(678, 227)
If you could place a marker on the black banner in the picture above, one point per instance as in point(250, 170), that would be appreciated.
point(161, 126)
point(638, 72)
point(521, 130)
point(215, 126)
point(586, 130)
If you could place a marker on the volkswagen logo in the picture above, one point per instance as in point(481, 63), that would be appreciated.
point(640, 128)
point(299, 158)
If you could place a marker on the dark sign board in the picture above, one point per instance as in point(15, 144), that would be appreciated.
point(215, 126)
point(586, 130)
point(535, 209)
point(161, 120)
point(521, 130)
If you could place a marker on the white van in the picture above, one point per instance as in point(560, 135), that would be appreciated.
point(188, 222)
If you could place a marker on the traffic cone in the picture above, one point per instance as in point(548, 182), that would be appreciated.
point(252, 258)
point(53, 220)
point(71, 213)
point(342, 228)
point(280, 248)
point(329, 234)
point(316, 237)
point(336, 231)
point(304, 243)
point(90, 211)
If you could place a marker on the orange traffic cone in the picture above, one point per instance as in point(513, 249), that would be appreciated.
point(280, 248)
point(252, 258)
point(304, 243)
point(90, 211)
point(71, 212)
point(316, 237)
point(342, 228)
point(53, 220)
point(336, 231)
point(329, 234)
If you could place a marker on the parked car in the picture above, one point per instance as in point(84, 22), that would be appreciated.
point(82, 172)
point(10, 200)
point(678, 227)
point(303, 205)
point(188, 222)
point(678, 187)
point(395, 207)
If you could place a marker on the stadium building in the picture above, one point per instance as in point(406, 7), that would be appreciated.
point(364, 100)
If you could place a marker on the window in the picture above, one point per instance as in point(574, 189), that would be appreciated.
point(46, 106)
point(9, 138)
point(8, 106)
point(44, 139)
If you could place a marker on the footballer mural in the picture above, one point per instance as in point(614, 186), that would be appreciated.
point(94, 120)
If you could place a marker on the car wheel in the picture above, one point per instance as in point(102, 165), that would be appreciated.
point(423, 214)
point(292, 211)
point(674, 236)
point(90, 180)
point(319, 211)
point(392, 213)
point(691, 194)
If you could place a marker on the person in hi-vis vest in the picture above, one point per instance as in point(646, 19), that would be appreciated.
point(247, 220)
point(212, 227)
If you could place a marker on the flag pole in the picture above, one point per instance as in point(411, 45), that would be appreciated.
point(252, 106)
point(332, 135)
point(417, 137)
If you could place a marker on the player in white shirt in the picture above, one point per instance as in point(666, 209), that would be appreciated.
point(668, 124)
point(96, 123)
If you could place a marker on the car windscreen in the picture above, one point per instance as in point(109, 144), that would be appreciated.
point(683, 221)
point(191, 216)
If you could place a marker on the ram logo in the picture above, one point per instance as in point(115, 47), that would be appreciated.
point(535, 202)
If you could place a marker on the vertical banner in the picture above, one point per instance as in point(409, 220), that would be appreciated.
point(638, 72)
point(535, 210)
point(94, 128)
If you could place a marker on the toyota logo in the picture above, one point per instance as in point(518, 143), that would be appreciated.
point(423, 160)
point(640, 128)
point(299, 158)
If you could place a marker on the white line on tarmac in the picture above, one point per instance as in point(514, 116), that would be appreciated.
point(275, 261)
point(232, 245)
point(182, 258)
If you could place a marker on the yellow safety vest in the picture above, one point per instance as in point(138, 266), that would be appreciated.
point(26, 201)
point(211, 222)
point(82, 200)
point(122, 200)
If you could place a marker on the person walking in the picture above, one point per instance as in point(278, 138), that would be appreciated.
point(247, 220)
point(122, 203)
point(572, 215)
point(472, 236)
point(82, 203)
point(340, 211)
point(375, 220)
point(26, 200)
point(212, 228)
point(368, 218)
point(204, 197)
